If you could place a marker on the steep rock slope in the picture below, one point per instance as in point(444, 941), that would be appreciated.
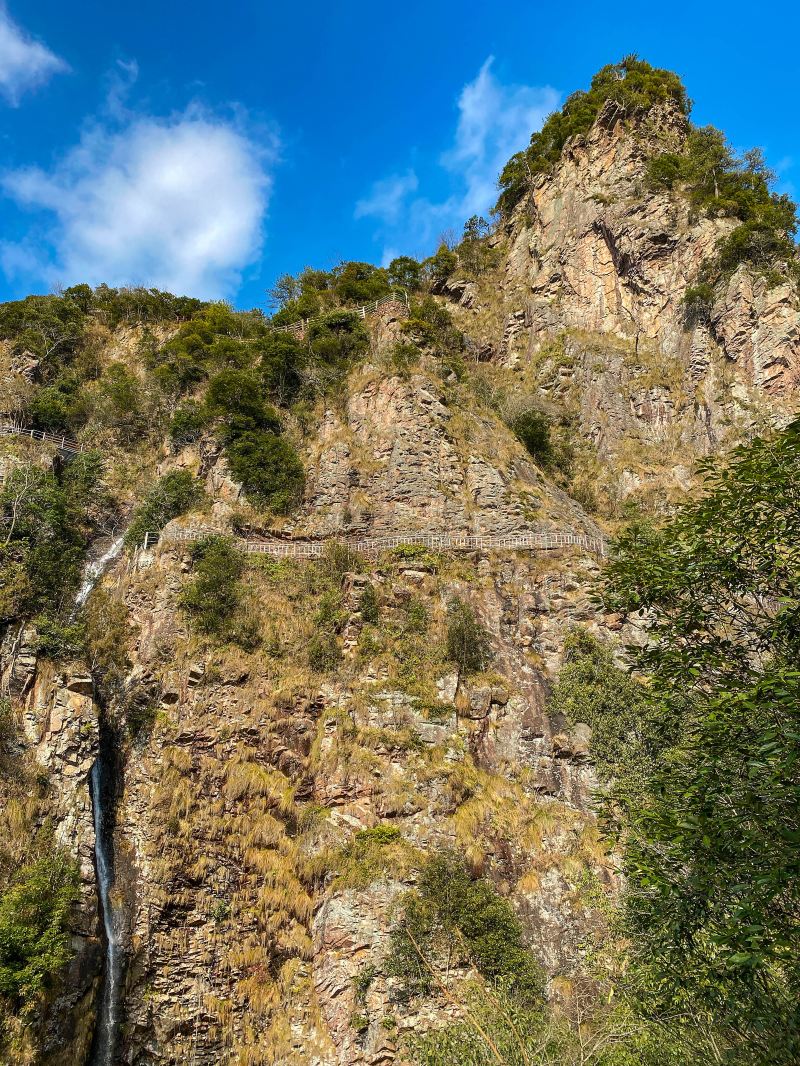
point(586, 306)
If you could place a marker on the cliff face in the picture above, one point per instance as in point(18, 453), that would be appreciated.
point(585, 308)
point(254, 911)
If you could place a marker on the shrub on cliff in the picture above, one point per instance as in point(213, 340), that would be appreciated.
point(452, 918)
point(34, 938)
point(214, 597)
point(468, 642)
point(172, 495)
point(720, 183)
point(268, 468)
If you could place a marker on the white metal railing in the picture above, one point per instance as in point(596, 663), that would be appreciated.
point(63, 443)
point(372, 546)
point(397, 296)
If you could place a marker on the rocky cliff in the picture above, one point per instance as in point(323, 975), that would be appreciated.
point(269, 812)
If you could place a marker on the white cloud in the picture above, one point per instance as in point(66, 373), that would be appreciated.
point(25, 63)
point(174, 203)
point(388, 197)
point(494, 122)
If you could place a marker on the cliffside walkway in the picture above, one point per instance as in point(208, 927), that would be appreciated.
point(373, 546)
point(394, 303)
point(64, 444)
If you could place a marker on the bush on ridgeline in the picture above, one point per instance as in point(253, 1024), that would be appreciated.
point(468, 643)
point(632, 84)
point(360, 283)
point(442, 265)
point(720, 183)
point(173, 495)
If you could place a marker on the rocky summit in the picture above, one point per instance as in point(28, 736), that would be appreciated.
point(272, 796)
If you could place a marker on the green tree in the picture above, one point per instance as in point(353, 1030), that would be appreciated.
point(405, 273)
point(713, 838)
point(468, 643)
point(214, 598)
point(34, 938)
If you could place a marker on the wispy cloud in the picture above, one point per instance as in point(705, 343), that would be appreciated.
point(388, 197)
point(495, 120)
point(178, 203)
point(25, 63)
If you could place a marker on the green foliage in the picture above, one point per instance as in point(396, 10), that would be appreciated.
point(336, 341)
point(188, 423)
point(134, 305)
point(268, 469)
point(626, 729)
point(281, 361)
point(368, 604)
point(634, 85)
point(360, 283)
point(106, 634)
point(405, 273)
point(713, 850)
point(214, 598)
point(698, 300)
point(719, 183)
point(58, 408)
point(468, 642)
point(496, 1029)
point(48, 521)
point(217, 338)
point(431, 325)
point(365, 858)
point(533, 430)
point(235, 400)
point(34, 941)
point(452, 917)
point(173, 495)
point(324, 651)
point(58, 640)
point(474, 253)
point(264, 463)
point(50, 327)
point(441, 265)
point(119, 401)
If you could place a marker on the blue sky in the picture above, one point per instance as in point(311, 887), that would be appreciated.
point(208, 148)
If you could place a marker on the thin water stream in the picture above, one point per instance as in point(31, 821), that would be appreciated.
point(95, 570)
point(107, 1027)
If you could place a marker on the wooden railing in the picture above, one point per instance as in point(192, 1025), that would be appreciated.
point(397, 297)
point(373, 546)
point(64, 444)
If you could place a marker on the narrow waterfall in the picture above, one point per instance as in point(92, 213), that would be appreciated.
point(108, 1022)
point(95, 570)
